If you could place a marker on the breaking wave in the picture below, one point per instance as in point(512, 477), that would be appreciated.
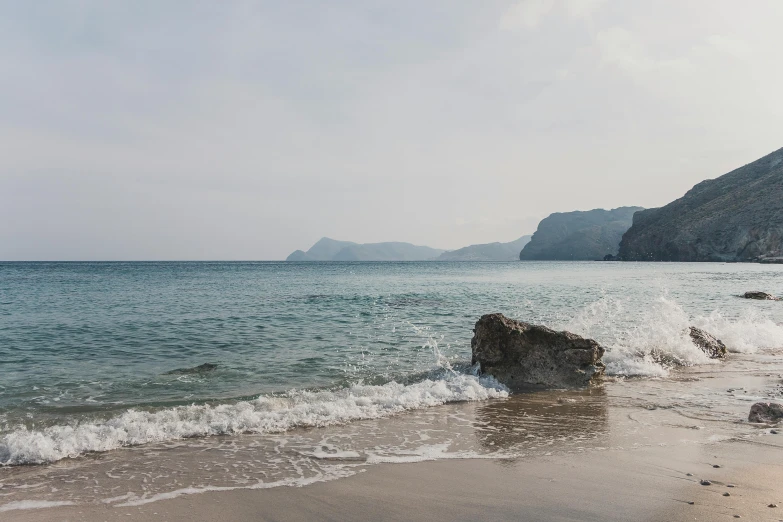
point(652, 341)
point(266, 414)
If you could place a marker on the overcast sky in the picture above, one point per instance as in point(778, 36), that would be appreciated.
point(248, 129)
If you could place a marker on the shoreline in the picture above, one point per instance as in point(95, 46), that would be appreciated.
point(650, 483)
point(619, 452)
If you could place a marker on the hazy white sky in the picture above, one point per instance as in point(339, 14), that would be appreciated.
point(248, 129)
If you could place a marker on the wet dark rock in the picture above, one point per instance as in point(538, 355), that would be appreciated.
point(766, 412)
point(773, 505)
point(705, 483)
point(202, 368)
point(709, 344)
point(727, 494)
point(761, 296)
point(716, 465)
point(522, 355)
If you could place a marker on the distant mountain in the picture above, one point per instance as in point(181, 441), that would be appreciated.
point(487, 252)
point(736, 217)
point(331, 250)
point(579, 236)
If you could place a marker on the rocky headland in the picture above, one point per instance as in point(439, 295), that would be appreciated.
point(579, 236)
point(736, 217)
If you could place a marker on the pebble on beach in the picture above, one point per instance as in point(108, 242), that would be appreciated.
point(705, 483)
point(716, 465)
point(727, 494)
point(689, 474)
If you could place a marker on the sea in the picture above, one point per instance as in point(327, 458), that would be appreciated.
point(125, 383)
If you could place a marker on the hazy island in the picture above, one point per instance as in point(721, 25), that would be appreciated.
point(327, 249)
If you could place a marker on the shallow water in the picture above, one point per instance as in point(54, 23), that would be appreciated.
point(694, 406)
point(86, 348)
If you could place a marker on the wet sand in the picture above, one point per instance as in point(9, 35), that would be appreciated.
point(641, 484)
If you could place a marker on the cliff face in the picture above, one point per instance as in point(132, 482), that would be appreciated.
point(579, 236)
point(736, 217)
point(487, 252)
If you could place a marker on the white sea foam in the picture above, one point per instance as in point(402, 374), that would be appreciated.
point(267, 414)
point(296, 482)
point(428, 453)
point(650, 341)
point(750, 332)
point(32, 504)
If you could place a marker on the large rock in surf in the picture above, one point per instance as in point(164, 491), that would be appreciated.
point(524, 355)
point(768, 412)
point(708, 343)
point(763, 296)
point(736, 217)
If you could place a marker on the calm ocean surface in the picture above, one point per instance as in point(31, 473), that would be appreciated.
point(85, 347)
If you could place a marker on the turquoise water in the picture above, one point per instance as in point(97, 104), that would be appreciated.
point(81, 344)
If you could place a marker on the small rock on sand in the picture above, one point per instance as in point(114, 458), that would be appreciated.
point(770, 412)
point(727, 494)
point(716, 465)
point(705, 483)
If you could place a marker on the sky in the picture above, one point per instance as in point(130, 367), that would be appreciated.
point(140, 130)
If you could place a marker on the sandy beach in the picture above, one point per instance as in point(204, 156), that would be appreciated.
point(634, 449)
point(647, 484)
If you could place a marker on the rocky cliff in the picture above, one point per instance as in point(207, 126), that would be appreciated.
point(736, 217)
point(579, 236)
point(487, 252)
